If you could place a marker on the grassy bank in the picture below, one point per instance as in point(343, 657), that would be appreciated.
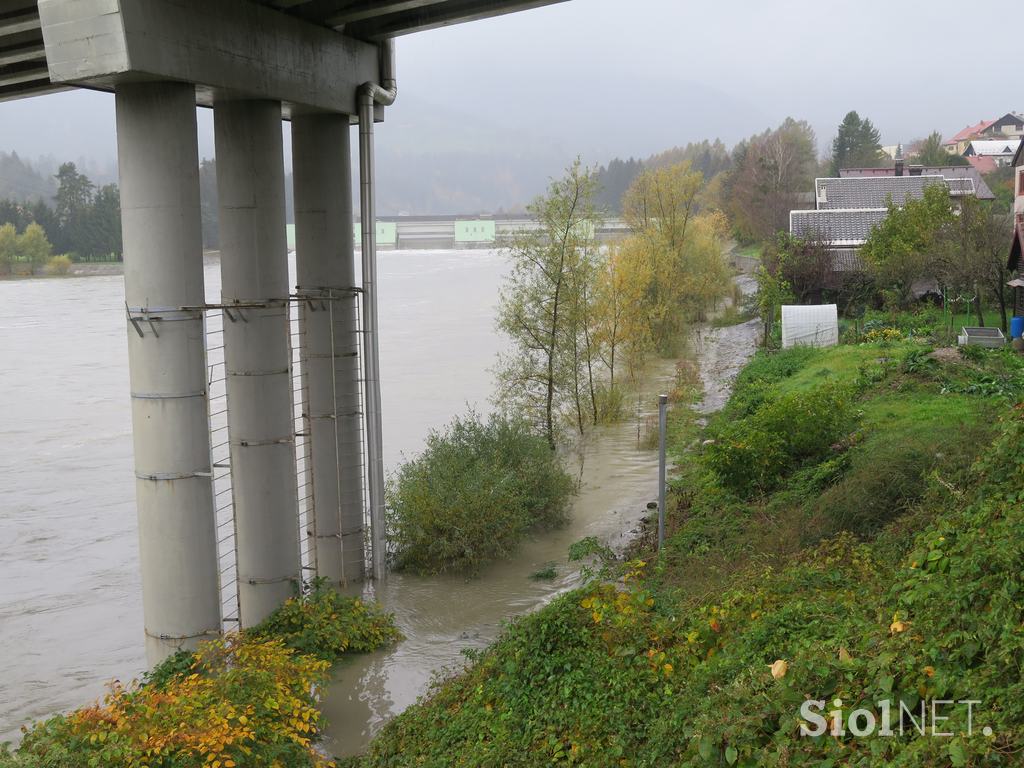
point(864, 553)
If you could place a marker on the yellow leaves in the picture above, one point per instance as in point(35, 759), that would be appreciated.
point(778, 668)
point(844, 656)
point(216, 719)
point(897, 625)
point(930, 671)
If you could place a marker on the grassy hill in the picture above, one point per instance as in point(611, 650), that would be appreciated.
point(852, 536)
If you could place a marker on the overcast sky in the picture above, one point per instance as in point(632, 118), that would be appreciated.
point(609, 78)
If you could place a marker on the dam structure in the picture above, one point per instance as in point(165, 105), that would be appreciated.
point(285, 378)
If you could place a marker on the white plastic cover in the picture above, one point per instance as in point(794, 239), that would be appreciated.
point(815, 325)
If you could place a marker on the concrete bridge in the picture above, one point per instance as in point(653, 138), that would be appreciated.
point(325, 65)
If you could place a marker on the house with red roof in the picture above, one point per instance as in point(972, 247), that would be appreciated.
point(1010, 125)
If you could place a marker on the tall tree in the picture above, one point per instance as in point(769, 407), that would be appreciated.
point(932, 153)
point(73, 199)
point(708, 158)
point(676, 246)
point(546, 310)
point(856, 145)
point(769, 171)
point(46, 217)
point(104, 224)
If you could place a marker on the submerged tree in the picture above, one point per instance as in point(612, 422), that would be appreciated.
point(676, 248)
point(547, 310)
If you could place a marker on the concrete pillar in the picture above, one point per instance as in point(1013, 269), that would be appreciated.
point(158, 159)
point(326, 274)
point(254, 276)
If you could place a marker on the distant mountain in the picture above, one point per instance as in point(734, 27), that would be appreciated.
point(432, 160)
point(23, 180)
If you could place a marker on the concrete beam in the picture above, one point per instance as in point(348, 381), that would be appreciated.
point(229, 49)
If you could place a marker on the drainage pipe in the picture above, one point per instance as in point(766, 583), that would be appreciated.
point(369, 95)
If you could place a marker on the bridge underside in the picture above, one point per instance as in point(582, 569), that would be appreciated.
point(323, 64)
point(26, 71)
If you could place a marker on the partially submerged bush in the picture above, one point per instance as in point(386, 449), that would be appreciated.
point(473, 495)
point(323, 624)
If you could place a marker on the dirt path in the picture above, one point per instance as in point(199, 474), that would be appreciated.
point(722, 353)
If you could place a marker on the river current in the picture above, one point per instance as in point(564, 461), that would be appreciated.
point(70, 595)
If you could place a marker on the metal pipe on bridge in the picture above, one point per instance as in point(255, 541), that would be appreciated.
point(369, 95)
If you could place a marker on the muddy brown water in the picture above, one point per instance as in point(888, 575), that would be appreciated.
point(70, 598)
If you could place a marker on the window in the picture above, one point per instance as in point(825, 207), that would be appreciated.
point(1020, 181)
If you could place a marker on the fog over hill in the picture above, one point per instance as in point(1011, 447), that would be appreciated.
point(487, 111)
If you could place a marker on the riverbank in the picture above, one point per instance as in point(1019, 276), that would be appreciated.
point(861, 554)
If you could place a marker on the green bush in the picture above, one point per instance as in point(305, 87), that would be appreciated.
point(752, 386)
point(473, 495)
point(779, 436)
point(323, 624)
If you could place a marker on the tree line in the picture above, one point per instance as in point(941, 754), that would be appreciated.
point(758, 181)
point(84, 221)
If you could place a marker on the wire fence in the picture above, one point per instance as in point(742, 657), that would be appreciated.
point(344, 310)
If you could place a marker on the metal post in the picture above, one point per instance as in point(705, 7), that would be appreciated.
point(325, 266)
point(158, 158)
point(374, 428)
point(254, 276)
point(662, 407)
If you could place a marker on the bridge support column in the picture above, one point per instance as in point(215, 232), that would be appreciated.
point(158, 159)
point(326, 271)
point(254, 275)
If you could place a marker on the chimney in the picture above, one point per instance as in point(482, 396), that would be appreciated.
point(899, 167)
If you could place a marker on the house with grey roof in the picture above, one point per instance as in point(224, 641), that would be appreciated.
point(874, 192)
point(844, 229)
point(950, 173)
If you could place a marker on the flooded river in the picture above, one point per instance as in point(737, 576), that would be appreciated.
point(70, 596)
